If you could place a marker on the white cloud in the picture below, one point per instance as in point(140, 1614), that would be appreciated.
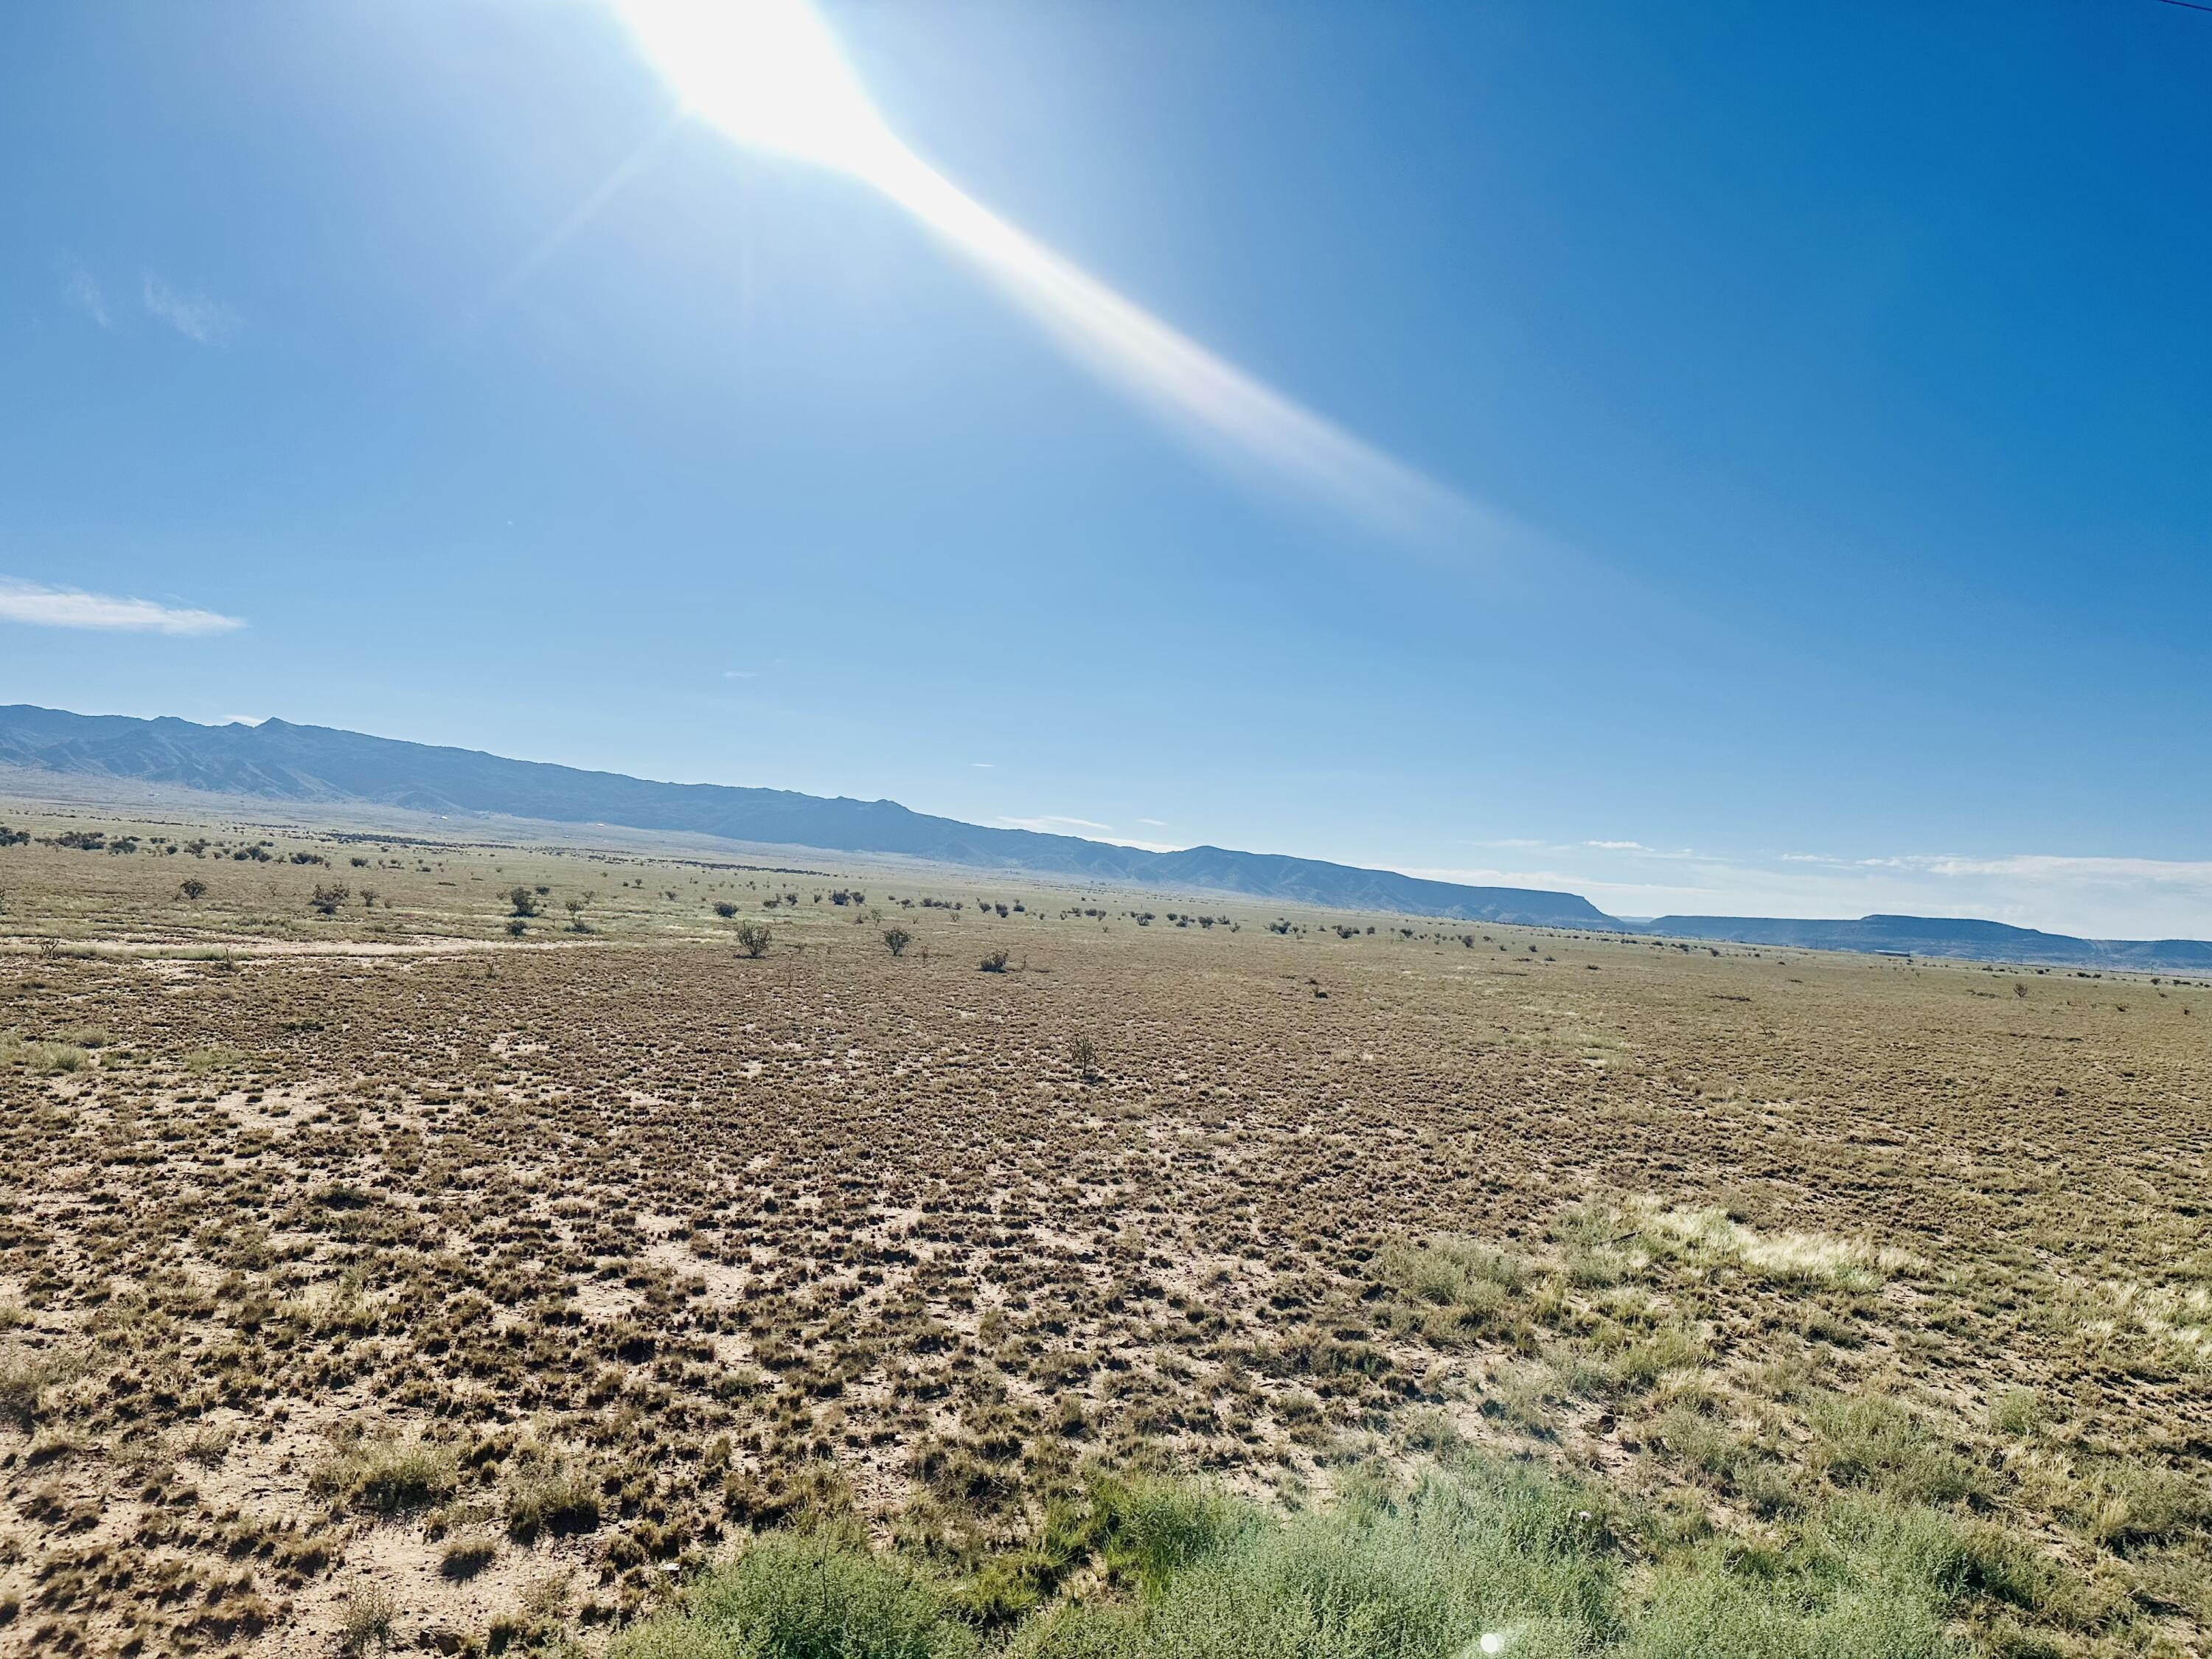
point(741, 673)
point(244, 719)
point(198, 319)
point(70, 607)
point(82, 291)
point(1155, 823)
point(981, 766)
point(1619, 846)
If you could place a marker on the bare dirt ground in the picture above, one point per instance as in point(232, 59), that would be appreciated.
point(427, 1273)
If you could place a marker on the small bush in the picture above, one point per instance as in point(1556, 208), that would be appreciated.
point(823, 1596)
point(754, 938)
point(365, 1621)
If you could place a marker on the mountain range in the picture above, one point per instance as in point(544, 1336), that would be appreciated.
point(277, 760)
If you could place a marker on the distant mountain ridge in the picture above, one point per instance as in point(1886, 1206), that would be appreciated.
point(279, 761)
point(1946, 936)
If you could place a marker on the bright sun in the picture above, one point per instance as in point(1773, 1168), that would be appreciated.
point(767, 73)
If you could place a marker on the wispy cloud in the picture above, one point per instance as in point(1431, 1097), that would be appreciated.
point(1619, 846)
point(69, 607)
point(81, 290)
point(198, 319)
point(981, 766)
point(774, 77)
point(741, 673)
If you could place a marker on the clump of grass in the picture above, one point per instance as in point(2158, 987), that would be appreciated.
point(1786, 1258)
point(2018, 1412)
point(1642, 1363)
point(2178, 1317)
point(42, 1059)
point(465, 1557)
point(207, 1443)
point(1454, 1287)
point(2123, 1502)
point(551, 1496)
point(1148, 1531)
point(1869, 1440)
point(24, 1379)
point(387, 1475)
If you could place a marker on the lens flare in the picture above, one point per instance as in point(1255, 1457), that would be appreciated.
point(769, 74)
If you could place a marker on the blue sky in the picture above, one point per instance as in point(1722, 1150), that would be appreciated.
point(1842, 373)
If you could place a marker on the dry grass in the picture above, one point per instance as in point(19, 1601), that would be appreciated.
point(375, 1278)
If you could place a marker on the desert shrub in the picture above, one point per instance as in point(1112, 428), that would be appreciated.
point(1751, 1608)
point(754, 938)
point(365, 1617)
point(1870, 1577)
point(794, 1596)
point(192, 888)
point(1486, 1551)
point(725, 908)
point(896, 939)
point(523, 901)
point(327, 897)
point(1148, 1531)
point(995, 963)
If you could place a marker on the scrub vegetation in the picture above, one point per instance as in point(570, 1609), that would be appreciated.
point(623, 1248)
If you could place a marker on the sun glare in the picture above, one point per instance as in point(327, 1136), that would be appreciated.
point(767, 74)
point(770, 75)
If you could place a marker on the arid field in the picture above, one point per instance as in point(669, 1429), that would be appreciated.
point(411, 1273)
